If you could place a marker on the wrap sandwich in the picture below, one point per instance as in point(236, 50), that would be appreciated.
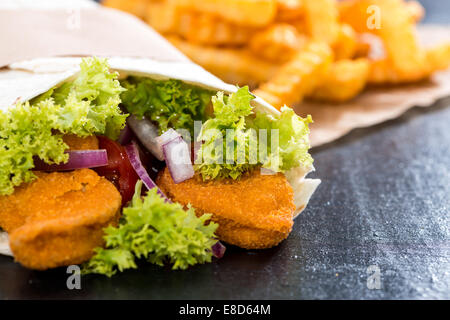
point(106, 161)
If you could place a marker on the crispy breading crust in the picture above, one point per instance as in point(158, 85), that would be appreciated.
point(58, 219)
point(76, 143)
point(253, 212)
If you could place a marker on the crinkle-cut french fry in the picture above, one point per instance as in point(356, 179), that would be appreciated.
point(347, 44)
point(162, 16)
point(298, 77)
point(289, 10)
point(277, 43)
point(243, 12)
point(363, 46)
point(357, 12)
point(321, 20)
point(344, 80)
point(236, 66)
point(300, 25)
point(416, 10)
point(207, 29)
point(136, 7)
point(383, 72)
point(439, 57)
point(398, 34)
point(196, 27)
point(354, 13)
point(396, 29)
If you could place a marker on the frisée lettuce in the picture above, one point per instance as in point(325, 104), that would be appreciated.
point(232, 141)
point(86, 106)
point(290, 150)
point(218, 156)
point(168, 103)
point(158, 231)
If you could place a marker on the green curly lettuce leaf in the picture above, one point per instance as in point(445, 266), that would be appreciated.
point(168, 103)
point(232, 143)
point(219, 157)
point(291, 147)
point(85, 106)
point(155, 230)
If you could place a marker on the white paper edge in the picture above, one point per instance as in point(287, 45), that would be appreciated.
point(46, 4)
point(4, 244)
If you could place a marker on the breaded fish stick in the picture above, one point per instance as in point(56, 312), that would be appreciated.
point(253, 212)
point(58, 219)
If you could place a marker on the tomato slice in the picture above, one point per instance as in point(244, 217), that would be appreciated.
point(119, 169)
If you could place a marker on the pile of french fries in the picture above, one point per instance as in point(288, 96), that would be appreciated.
point(290, 50)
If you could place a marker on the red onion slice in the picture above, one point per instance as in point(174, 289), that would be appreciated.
point(218, 250)
point(126, 135)
point(178, 159)
point(78, 159)
point(147, 133)
point(166, 137)
point(132, 151)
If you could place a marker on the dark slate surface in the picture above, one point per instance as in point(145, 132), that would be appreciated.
point(384, 201)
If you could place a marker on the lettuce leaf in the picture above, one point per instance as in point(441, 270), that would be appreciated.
point(168, 103)
point(220, 157)
point(157, 231)
point(85, 106)
point(291, 150)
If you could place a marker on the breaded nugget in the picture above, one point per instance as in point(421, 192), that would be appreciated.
point(58, 219)
point(253, 212)
point(76, 143)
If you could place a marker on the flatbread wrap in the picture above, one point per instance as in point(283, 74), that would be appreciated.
point(80, 136)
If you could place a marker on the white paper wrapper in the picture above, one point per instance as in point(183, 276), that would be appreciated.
point(4, 244)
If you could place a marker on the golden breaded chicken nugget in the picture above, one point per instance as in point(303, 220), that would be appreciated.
point(253, 212)
point(76, 143)
point(58, 219)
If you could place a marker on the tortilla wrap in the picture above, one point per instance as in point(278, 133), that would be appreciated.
point(25, 80)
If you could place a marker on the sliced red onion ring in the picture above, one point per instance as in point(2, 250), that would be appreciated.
point(78, 159)
point(126, 135)
point(218, 250)
point(132, 151)
point(178, 159)
point(147, 133)
point(166, 137)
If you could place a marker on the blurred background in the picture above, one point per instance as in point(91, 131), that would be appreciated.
point(291, 51)
point(437, 11)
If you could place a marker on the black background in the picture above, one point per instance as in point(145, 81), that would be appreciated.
point(384, 200)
